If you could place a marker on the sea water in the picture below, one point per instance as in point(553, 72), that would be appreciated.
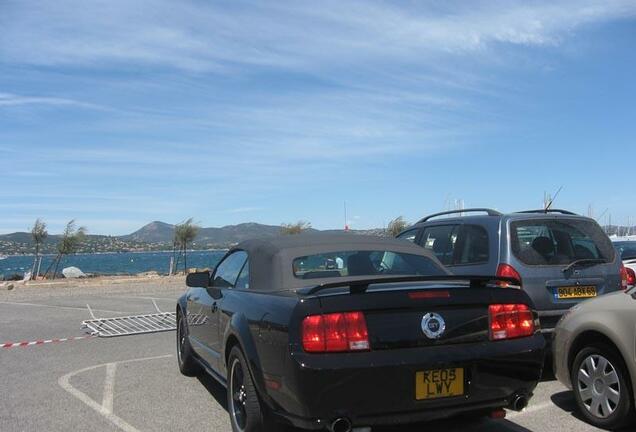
point(112, 263)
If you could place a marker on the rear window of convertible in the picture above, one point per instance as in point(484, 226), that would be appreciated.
point(558, 242)
point(364, 263)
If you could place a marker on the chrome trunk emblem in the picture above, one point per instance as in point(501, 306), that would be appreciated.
point(433, 325)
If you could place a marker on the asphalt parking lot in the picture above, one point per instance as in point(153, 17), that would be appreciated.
point(132, 383)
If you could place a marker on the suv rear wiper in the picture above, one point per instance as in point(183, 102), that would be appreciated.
point(584, 262)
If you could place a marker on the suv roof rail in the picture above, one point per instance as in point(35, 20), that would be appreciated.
point(488, 211)
point(565, 212)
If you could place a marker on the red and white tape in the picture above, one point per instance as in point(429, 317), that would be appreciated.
point(41, 342)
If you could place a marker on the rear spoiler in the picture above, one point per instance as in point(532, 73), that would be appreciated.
point(359, 286)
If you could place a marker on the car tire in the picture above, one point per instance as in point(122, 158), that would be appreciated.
point(247, 412)
point(188, 365)
point(602, 387)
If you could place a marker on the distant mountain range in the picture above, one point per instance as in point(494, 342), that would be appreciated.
point(156, 236)
point(161, 232)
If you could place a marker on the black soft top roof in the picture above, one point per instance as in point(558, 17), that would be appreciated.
point(271, 259)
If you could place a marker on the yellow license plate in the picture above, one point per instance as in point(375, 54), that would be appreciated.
point(439, 383)
point(573, 292)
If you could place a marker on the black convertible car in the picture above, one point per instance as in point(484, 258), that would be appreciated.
point(387, 336)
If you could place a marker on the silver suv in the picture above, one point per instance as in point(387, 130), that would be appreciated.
point(558, 257)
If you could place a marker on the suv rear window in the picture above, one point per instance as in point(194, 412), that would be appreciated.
point(558, 242)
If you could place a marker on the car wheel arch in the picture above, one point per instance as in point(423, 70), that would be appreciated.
point(587, 338)
point(181, 305)
point(591, 343)
point(237, 333)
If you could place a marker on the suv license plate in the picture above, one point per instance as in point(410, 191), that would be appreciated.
point(574, 292)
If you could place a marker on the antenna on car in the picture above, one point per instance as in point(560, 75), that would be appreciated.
point(602, 214)
point(548, 205)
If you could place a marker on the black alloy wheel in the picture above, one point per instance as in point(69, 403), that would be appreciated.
point(185, 357)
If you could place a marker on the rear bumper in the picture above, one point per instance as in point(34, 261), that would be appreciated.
point(378, 388)
point(560, 348)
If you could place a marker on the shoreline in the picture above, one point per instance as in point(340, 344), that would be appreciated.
point(114, 252)
point(102, 285)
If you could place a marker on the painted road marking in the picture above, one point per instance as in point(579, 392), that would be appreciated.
point(109, 388)
point(105, 409)
point(170, 299)
point(83, 309)
point(42, 342)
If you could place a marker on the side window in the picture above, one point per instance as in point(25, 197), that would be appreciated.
point(243, 281)
point(474, 246)
point(441, 241)
point(228, 270)
point(408, 235)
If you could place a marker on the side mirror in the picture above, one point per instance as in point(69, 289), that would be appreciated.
point(198, 280)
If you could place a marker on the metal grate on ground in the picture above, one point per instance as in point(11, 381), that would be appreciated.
point(136, 324)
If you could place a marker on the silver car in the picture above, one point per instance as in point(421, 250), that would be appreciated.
point(595, 355)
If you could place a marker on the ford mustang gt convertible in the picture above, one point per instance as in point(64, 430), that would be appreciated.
point(386, 336)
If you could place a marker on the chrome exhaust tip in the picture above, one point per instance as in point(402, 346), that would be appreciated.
point(519, 403)
point(342, 424)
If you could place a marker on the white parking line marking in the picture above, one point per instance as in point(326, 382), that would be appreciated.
point(59, 307)
point(105, 408)
point(531, 409)
point(172, 299)
point(109, 388)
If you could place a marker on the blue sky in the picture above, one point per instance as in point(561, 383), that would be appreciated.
point(117, 113)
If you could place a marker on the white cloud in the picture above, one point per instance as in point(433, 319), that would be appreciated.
point(289, 35)
point(244, 210)
point(8, 99)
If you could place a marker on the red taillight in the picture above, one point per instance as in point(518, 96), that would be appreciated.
point(631, 276)
point(628, 277)
point(314, 334)
point(510, 321)
point(336, 332)
point(506, 270)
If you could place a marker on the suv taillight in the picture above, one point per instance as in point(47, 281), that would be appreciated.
point(510, 321)
point(631, 276)
point(335, 332)
point(506, 270)
point(628, 277)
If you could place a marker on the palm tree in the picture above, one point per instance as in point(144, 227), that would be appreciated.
point(174, 259)
point(176, 242)
point(39, 234)
point(294, 228)
point(396, 226)
point(185, 233)
point(71, 240)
